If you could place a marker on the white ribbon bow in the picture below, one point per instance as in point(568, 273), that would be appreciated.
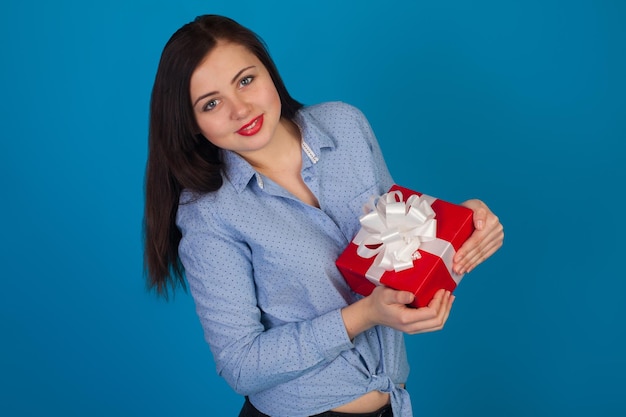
point(394, 231)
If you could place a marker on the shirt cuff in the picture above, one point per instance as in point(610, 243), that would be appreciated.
point(331, 335)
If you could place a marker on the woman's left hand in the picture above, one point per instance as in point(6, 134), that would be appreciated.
point(486, 239)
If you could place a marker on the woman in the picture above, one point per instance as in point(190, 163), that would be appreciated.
point(253, 196)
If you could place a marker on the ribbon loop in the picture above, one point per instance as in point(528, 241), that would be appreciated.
point(393, 232)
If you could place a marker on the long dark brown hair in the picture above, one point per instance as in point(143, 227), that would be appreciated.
point(179, 157)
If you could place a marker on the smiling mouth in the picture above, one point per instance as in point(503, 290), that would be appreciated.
point(252, 128)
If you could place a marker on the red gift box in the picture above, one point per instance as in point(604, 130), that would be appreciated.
point(402, 220)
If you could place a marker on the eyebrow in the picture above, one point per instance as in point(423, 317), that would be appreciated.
point(231, 81)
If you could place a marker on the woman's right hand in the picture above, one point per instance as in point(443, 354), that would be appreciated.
point(388, 307)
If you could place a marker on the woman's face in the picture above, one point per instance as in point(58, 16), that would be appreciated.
point(234, 99)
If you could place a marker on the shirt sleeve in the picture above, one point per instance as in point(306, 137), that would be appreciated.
point(249, 356)
point(380, 165)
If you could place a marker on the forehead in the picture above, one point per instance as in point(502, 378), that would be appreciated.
point(224, 61)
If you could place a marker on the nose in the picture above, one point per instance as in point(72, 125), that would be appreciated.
point(240, 109)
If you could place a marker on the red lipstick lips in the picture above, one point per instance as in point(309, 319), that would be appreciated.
point(252, 128)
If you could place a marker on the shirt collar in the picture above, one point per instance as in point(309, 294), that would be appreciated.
point(312, 132)
point(239, 172)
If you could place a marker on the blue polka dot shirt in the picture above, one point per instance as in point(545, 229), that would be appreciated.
point(261, 268)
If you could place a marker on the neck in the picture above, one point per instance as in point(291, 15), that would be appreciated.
point(283, 153)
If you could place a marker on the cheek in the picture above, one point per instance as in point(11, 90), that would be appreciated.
point(269, 94)
point(209, 128)
point(275, 94)
point(273, 99)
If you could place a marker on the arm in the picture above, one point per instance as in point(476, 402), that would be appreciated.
point(383, 174)
point(386, 306)
point(249, 356)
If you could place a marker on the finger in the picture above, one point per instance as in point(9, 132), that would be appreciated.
point(489, 225)
point(439, 302)
point(492, 224)
point(472, 252)
point(471, 244)
point(404, 297)
point(445, 310)
point(437, 322)
point(473, 204)
point(481, 212)
point(391, 296)
point(466, 253)
point(416, 319)
point(435, 303)
point(480, 218)
point(487, 252)
point(415, 316)
point(481, 252)
point(443, 315)
point(448, 308)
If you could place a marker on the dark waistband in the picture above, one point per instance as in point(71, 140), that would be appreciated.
point(250, 411)
point(384, 411)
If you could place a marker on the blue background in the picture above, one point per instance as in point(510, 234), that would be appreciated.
point(519, 103)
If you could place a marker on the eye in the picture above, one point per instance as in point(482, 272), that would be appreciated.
point(210, 105)
point(246, 80)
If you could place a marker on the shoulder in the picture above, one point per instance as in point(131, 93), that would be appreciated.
point(217, 213)
point(333, 111)
point(199, 211)
point(194, 208)
point(336, 119)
